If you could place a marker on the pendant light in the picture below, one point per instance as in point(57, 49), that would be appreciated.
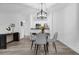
point(42, 14)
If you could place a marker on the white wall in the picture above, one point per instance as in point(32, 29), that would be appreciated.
point(58, 23)
point(5, 21)
point(66, 23)
point(25, 29)
point(14, 13)
point(50, 22)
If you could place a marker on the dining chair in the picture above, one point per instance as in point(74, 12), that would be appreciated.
point(33, 38)
point(53, 40)
point(41, 40)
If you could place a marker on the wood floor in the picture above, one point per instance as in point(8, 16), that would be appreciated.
point(23, 48)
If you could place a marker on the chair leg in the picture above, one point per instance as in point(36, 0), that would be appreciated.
point(47, 45)
point(54, 45)
point(32, 45)
point(37, 49)
point(45, 49)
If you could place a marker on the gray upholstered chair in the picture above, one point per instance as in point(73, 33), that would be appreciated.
point(33, 38)
point(41, 40)
point(53, 40)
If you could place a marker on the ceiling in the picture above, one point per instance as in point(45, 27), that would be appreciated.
point(16, 8)
point(38, 5)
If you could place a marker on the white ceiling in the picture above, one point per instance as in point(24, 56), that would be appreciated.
point(16, 8)
point(38, 5)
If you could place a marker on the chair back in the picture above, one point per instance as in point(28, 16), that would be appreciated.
point(41, 38)
point(55, 36)
point(33, 36)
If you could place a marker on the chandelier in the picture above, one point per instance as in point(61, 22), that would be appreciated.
point(41, 14)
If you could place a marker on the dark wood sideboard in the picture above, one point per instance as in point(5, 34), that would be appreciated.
point(3, 39)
